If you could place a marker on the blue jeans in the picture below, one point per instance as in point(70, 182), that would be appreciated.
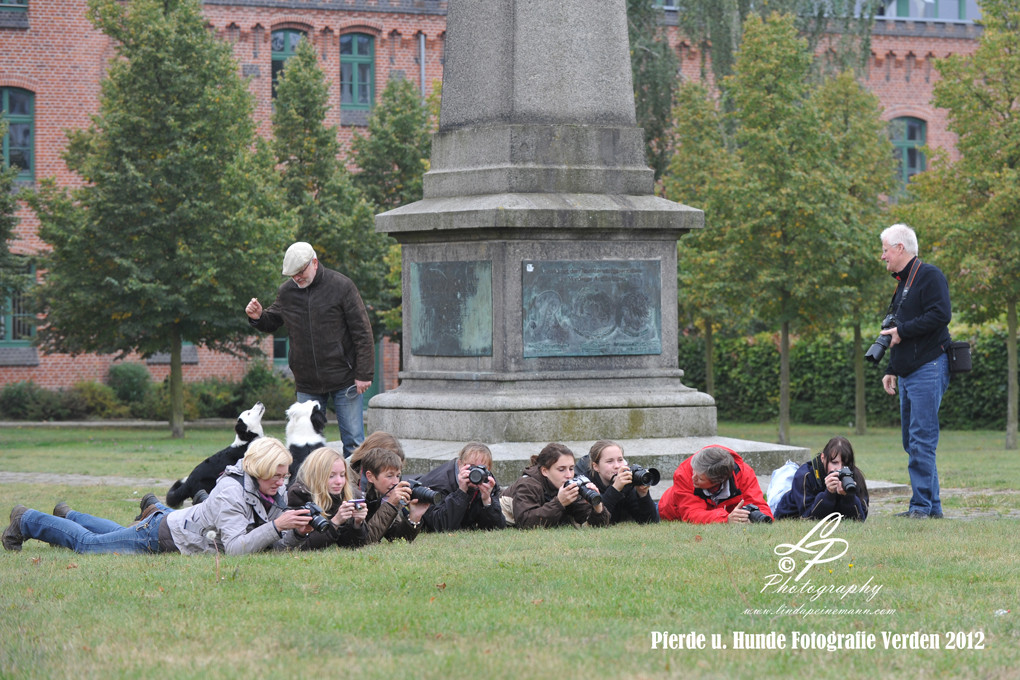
point(350, 416)
point(920, 397)
point(87, 534)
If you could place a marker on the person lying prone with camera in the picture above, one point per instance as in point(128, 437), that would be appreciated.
point(828, 483)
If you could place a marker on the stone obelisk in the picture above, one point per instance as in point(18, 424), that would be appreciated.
point(540, 270)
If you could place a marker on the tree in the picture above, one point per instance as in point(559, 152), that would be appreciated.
point(177, 224)
point(717, 27)
point(332, 214)
point(654, 68)
point(393, 157)
point(12, 270)
point(858, 143)
point(401, 126)
point(789, 201)
point(700, 174)
point(969, 210)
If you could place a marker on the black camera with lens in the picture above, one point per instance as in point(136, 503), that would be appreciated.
point(582, 482)
point(756, 516)
point(319, 523)
point(422, 493)
point(846, 478)
point(478, 474)
point(644, 476)
point(881, 344)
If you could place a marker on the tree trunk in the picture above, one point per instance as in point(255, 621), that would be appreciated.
point(784, 384)
point(1011, 380)
point(709, 360)
point(176, 386)
point(860, 407)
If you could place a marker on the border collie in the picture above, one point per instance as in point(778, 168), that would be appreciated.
point(203, 478)
point(306, 421)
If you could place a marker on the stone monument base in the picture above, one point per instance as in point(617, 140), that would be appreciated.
point(555, 410)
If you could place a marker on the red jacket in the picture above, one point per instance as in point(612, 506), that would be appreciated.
point(679, 502)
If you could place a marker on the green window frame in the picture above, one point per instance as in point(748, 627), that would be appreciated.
point(357, 71)
point(281, 350)
point(284, 44)
point(14, 4)
point(908, 135)
point(17, 106)
point(17, 321)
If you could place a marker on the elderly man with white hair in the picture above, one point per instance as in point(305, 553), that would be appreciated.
point(918, 340)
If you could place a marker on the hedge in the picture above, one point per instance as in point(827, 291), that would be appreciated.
point(822, 380)
point(130, 393)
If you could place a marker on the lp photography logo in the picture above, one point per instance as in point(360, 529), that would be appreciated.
point(796, 562)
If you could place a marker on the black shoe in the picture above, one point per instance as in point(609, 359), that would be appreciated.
point(912, 514)
point(13, 538)
point(61, 509)
point(147, 500)
point(936, 515)
point(199, 496)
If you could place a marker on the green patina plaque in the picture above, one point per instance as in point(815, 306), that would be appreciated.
point(451, 308)
point(591, 307)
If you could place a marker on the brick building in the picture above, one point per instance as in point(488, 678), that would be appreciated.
point(52, 61)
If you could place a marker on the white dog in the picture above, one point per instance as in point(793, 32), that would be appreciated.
point(306, 422)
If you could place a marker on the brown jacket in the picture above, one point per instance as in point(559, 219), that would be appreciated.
point(387, 520)
point(331, 340)
point(535, 504)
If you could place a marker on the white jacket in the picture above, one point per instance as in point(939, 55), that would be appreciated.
point(231, 511)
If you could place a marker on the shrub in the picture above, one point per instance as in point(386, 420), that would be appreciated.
point(130, 381)
point(822, 380)
point(261, 383)
point(95, 400)
point(28, 401)
point(215, 397)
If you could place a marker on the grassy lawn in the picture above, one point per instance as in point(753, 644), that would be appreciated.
point(540, 604)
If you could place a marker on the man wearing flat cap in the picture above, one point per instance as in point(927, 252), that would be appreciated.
point(332, 351)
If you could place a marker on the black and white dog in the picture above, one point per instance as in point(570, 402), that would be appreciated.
point(203, 478)
point(306, 421)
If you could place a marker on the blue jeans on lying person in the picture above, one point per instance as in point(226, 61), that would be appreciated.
point(84, 533)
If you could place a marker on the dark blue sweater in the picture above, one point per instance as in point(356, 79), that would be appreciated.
point(809, 498)
point(922, 319)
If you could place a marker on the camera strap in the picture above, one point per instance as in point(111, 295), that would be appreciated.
point(906, 287)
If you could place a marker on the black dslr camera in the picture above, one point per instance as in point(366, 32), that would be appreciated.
point(319, 523)
point(422, 493)
point(478, 474)
point(644, 476)
point(846, 478)
point(590, 495)
point(881, 344)
point(756, 516)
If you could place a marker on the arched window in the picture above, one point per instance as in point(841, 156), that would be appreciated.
point(284, 44)
point(357, 71)
point(908, 136)
point(17, 322)
point(17, 106)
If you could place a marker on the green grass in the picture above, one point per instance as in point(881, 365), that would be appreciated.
point(974, 459)
point(540, 604)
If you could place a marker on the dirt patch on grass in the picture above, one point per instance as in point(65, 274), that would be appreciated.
point(962, 504)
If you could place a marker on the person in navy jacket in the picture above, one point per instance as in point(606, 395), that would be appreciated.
point(917, 360)
point(817, 490)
